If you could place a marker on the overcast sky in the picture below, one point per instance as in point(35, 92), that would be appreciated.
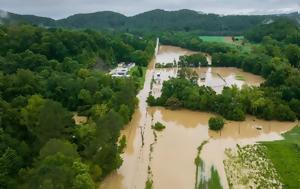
point(63, 8)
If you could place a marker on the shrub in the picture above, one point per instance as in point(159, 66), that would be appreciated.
point(237, 114)
point(158, 126)
point(149, 184)
point(151, 100)
point(173, 103)
point(216, 123)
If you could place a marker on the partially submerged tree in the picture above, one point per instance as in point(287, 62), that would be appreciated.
point(216, 123)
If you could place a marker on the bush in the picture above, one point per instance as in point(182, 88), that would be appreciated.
point(173, 103)
point(149, 184)
point(216, 123)
point(158, 126)
point(152, 101)
point(237, 114)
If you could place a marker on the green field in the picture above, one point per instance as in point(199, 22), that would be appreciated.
point(285, 155)
point(239, 43)
point(240, 78)
point(220, 39)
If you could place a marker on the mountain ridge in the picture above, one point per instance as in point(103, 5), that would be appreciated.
point(154, 20)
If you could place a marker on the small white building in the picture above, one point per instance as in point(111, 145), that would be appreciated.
point(122, 70)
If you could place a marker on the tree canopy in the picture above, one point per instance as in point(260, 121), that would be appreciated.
point(46, 75)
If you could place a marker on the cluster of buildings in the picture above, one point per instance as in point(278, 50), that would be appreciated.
point(122, 70)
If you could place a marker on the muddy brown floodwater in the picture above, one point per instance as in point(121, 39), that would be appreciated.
point(176, 147)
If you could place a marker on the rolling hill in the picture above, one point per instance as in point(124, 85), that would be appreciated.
point(155, 20)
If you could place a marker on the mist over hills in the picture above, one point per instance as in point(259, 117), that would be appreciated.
point(155, 20)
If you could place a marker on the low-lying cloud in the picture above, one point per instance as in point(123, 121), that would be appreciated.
point(3, 14)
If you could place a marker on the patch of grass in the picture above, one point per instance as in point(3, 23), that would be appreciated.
point(219, 39)
point(201, 183)
point(214, 181)
point(293, 135)
point(158, 126)
point(239, 77)
point(285, 155)
point(239, 44)
point(149, 184)
point(166, 65)
point(239, 38)
point(249, 166)
point(138, 73)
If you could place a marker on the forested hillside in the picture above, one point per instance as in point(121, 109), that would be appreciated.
point(48, 75)
point(282, 30)
point(156, 20)
point(105, 20)
point(12, 18)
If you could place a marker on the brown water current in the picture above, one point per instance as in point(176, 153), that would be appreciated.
point(176, 148)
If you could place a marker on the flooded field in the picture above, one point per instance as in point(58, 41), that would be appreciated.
point(168, 54)
point(173, 154)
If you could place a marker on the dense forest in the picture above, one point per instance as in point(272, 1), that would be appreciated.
point(48, 75)
point(276, 58)
point(155, 20)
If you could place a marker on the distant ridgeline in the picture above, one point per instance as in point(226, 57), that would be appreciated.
point(155, 20)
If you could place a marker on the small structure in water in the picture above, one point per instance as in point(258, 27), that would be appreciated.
point(202, 77)
point(158, 79)
point(258, 128)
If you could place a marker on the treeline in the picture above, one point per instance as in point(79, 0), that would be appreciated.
point(46, 75)
point(232, 103)
point(194, 60)
point(282, 29)
point(185, 61)
point(84, 47)
point(155, 20)
point(191, 41)
point(277, 98)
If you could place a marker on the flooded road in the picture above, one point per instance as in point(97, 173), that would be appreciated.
point(173, 154)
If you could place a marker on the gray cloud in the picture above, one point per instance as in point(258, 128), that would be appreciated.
point(3, 14)
point(63, 8)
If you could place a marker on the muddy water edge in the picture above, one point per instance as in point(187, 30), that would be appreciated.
point(171, 157)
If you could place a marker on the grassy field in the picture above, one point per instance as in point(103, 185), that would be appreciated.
point(239, 44)
point(223, 39)
point(248, 166)
point(214, 180)
point(240, 78)
point(220, 39)
point(285, 155)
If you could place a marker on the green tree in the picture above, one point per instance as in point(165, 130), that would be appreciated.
point(293, 54)
point(85, 96)
point(54, 146)
point(58, 171)
point(46, 119)
point(140, 58)
point(10, 163)
point(216, 123)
